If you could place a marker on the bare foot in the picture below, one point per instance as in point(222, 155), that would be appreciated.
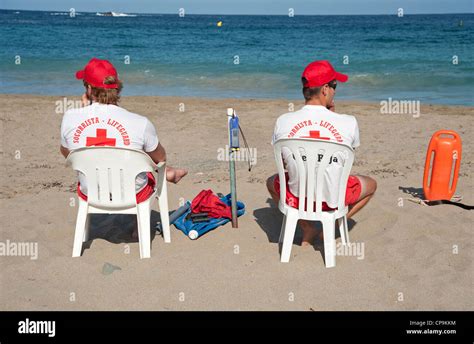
point(309, 233)
point(318, 235)
point(305, 243)
point(174, 175)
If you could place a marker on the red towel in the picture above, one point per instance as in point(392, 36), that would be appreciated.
point(207, 202)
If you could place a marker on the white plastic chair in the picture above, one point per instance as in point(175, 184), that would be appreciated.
point(110, 173)
point(311, 185)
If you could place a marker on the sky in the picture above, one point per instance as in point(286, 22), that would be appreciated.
point(247, 6)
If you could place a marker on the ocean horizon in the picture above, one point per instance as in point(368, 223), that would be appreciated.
point(424, 57)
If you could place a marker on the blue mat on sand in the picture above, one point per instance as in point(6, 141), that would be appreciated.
point(195, 230)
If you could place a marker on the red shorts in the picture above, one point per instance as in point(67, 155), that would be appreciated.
point(353, 191)
point(143, 195)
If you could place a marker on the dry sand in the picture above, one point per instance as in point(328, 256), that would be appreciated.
point(410, 258)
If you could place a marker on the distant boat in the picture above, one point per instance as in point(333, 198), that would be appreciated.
point(115, 14)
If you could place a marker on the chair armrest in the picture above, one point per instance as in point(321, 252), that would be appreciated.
point(161, 166)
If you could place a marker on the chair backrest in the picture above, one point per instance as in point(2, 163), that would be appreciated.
point(311, 173)
point(110, 173)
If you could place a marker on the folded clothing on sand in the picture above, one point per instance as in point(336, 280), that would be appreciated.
point(207, 202)
point(195, 230)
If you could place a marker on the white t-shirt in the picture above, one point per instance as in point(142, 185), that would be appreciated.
point(316, 121)
point(108, 125)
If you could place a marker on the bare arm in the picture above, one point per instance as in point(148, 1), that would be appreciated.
point(158, 154)
point(64, 151)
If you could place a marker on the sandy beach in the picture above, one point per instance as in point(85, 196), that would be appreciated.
point(415, 257)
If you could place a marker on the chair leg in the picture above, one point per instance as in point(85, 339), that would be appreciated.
point(329, 242)
point(143, 220)
point(86, 229)
point(282, 231)
point(342, 229)
point(289, 235)
point(81, 223)
point(346, 230)
point(164, 214)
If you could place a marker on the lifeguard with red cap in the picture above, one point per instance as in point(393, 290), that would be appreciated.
point(99, 73)
point(102, 122)
point(319, 73)
point(318, 119)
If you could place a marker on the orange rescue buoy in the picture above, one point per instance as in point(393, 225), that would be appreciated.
point(443, 160)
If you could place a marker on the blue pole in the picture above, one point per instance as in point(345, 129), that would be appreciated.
point(233, 126)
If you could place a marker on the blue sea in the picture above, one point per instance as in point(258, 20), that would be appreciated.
point(385, 56)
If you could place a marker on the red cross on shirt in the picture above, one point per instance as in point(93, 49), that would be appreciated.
point(314, 134)
point(100, 140)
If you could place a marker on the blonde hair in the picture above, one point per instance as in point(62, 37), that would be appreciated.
point(106, 95)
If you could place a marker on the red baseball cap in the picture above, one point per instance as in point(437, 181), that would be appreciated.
point(318, 73)
point(96, 71)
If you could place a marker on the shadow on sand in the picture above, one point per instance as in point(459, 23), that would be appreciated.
point(415, 192)
point(270, 219)
point(117, 228)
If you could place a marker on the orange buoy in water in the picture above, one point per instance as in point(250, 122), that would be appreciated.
point(443, 160)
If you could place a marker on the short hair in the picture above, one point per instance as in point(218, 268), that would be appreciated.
point(309, 92)
point(107, 95)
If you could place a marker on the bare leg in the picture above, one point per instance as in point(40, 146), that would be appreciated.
point(309, 231)
point(271, 189)
point(368, 186)
point(174, 175)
